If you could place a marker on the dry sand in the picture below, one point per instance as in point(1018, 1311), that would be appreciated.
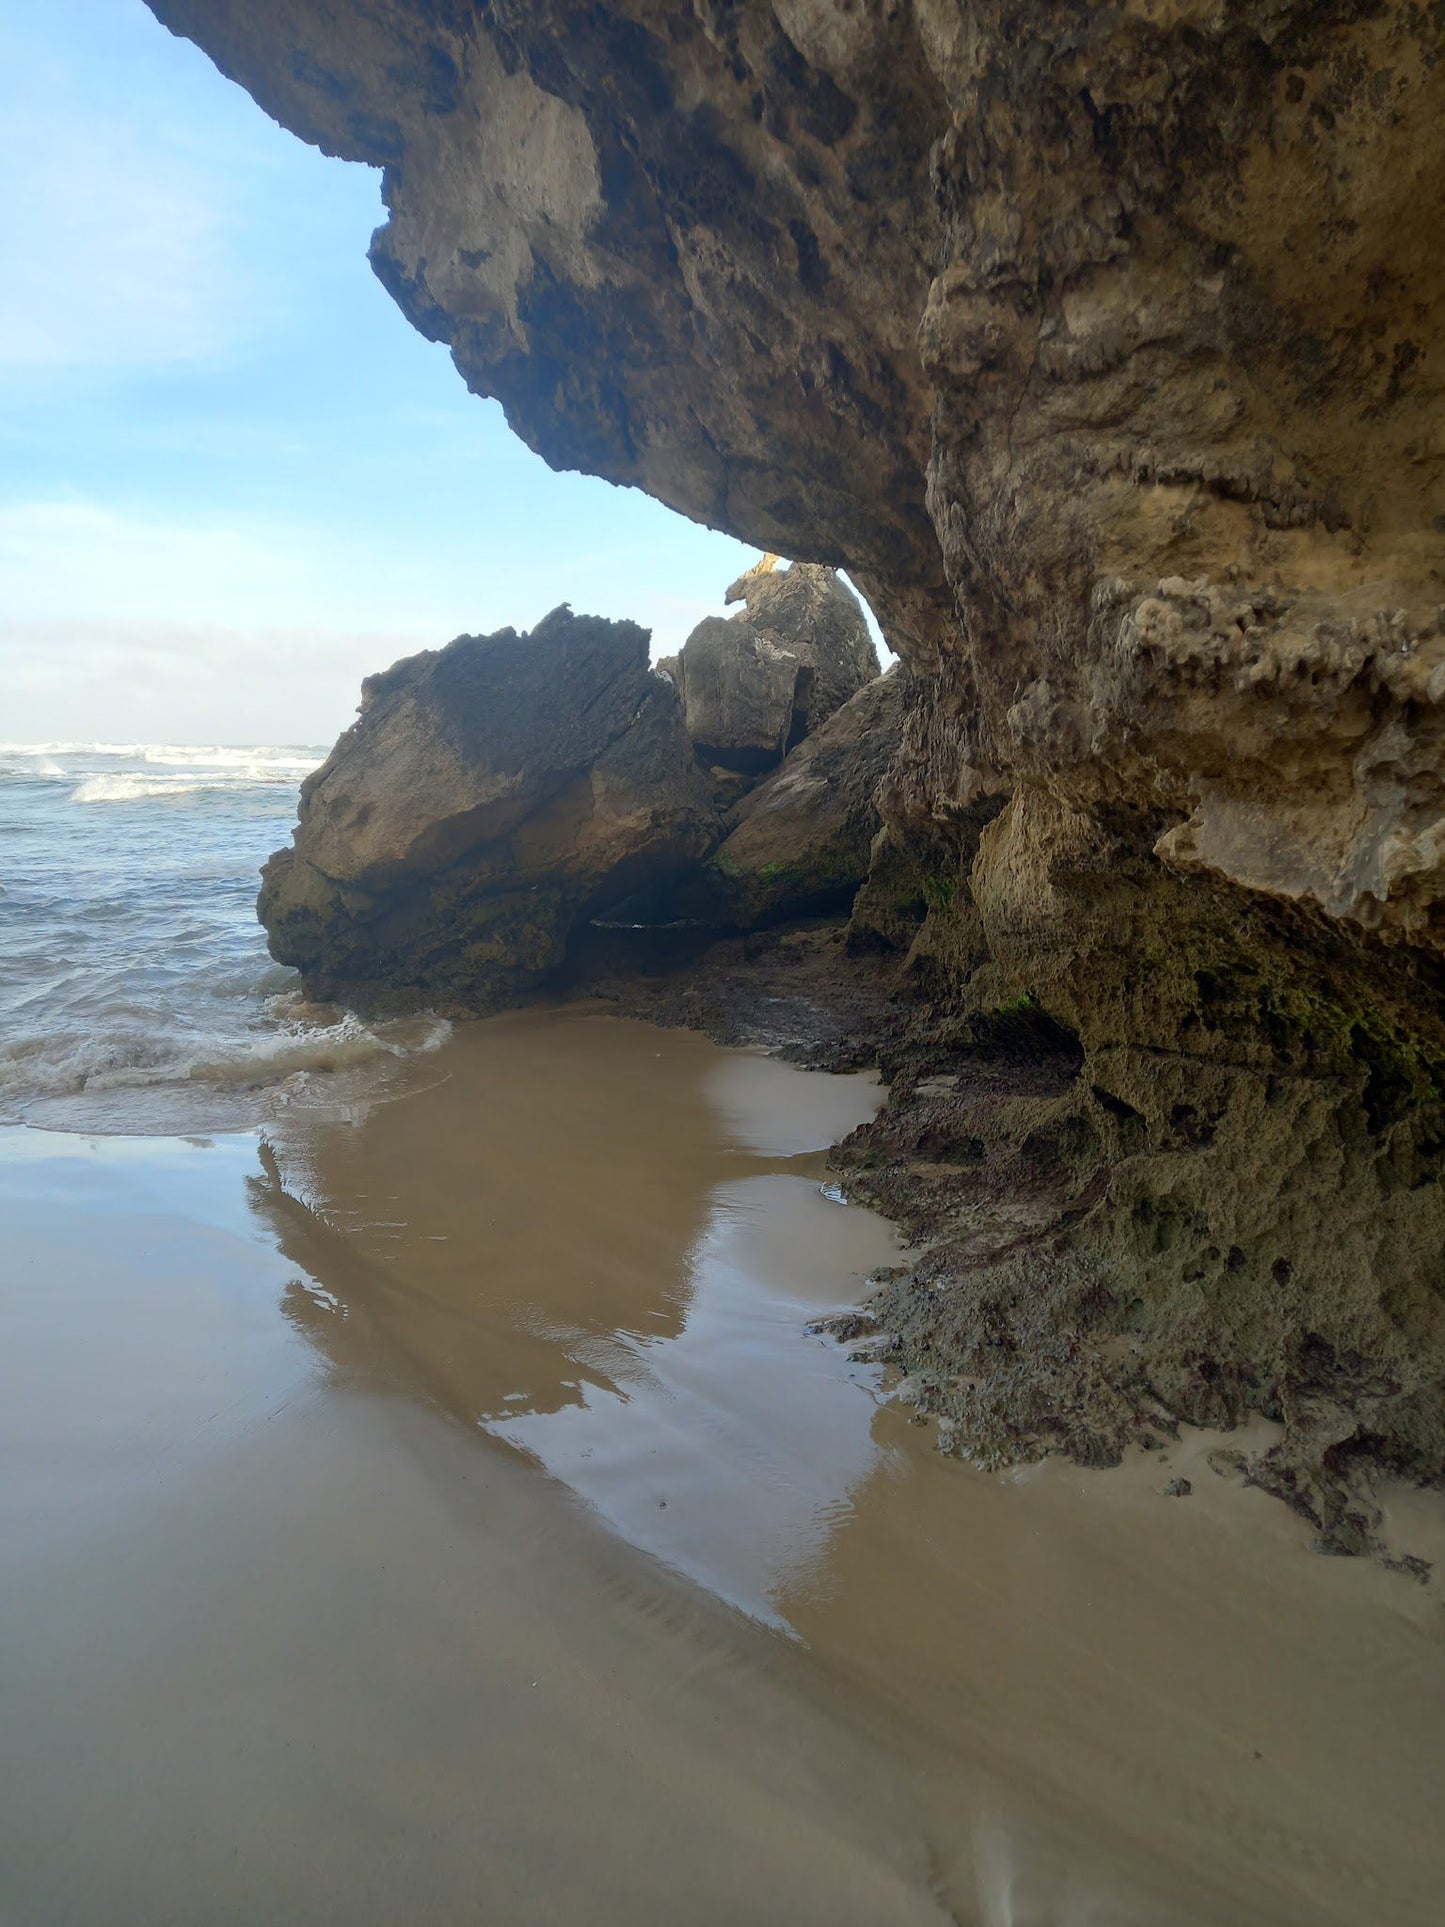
point(297, 1629)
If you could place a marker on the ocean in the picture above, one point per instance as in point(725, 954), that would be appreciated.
point(136, 992)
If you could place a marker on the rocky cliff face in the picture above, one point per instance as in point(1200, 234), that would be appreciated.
point(1103, 345)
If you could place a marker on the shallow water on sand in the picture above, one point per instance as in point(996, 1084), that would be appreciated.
point(297, 1628)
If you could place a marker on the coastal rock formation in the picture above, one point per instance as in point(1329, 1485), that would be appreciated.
point(496, 796)
point(812, 614)
point(1103, 347)
point(488, 796)
point(738, 692)
point(754, 686)
point(799, 844)
point(1098, 343)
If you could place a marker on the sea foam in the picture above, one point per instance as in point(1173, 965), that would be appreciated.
point(134, 979)
point(136, 1055)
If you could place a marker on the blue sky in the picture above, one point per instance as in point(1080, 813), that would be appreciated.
point(233, 480)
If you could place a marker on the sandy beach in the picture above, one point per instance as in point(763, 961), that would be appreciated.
point(442, 1512)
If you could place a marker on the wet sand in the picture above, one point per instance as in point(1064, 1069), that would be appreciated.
point(447, 1516)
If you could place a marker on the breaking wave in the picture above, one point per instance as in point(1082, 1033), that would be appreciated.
point(131, 786)
point(292, 757)
point(301, 1042)
point(135, 988)
point(137, 772)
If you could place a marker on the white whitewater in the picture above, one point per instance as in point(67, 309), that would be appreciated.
point(135, 988)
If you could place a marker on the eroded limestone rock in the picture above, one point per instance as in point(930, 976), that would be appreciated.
point(738, 692)
point(799, 844)
point(754, 686)
point(813, 615)
point(1100, 344)
point(488, 796)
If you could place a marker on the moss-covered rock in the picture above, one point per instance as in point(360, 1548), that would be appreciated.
point(1204, 1174)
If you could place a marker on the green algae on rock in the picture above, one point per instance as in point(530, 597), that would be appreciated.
point(1203, 1176)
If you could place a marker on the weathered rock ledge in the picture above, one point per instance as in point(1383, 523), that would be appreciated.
point(1103, 346)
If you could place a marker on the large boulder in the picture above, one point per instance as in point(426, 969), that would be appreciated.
point(739, 694)
point(799, 843)
point(811, 613)
point(489, 795)
point(755, 685)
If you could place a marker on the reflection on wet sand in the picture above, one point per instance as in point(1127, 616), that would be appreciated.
point(631, 1311)
point(288, 1637)
point(603, 1247)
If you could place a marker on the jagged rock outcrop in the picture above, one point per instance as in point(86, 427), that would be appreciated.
point(1100, 343)
point(1103, 346)
point(488, 796)
point(495, 797)
point(755, 685)
point(798, 845)
point(812, 614)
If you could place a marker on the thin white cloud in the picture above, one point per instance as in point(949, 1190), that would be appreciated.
point(144, 681)
point(128, 626)
point(262, 629)
point(226, 547)
point(122, 625)
point(75, 559)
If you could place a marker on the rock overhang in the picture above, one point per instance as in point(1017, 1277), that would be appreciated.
point(1103, 347)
